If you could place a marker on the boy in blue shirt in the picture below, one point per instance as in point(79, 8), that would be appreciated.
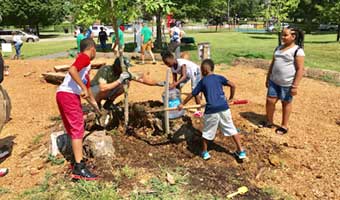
point(217, 113)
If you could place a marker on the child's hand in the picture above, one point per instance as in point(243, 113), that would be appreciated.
point(84, 94)
point(293, 91)
point(180, 107)
point(172, 86)
point(124, 76)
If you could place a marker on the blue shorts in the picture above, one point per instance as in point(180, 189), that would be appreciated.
point(280, 92)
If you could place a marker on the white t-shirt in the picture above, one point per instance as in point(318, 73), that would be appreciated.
point(17, 39)
point(83, 66)
point(176, 34)
point(192, 68)
point(283, 72)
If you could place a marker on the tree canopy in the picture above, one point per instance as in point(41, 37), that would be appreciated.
point(33, 12)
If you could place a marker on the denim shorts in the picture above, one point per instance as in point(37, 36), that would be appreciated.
point(280, 92)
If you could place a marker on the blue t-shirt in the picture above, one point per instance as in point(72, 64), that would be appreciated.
point(212, 88)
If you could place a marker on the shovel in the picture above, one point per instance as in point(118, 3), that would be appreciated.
point(235, 102)
point(102, 117)
point(240, 190)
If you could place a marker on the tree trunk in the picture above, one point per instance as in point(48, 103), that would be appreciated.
point(308, 21)
point(37, 29)
point(159, 30)
point(124, 69)
point(216, 27)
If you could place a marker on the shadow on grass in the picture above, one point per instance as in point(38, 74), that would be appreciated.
point(265, 33)
point(263, 37)
point(49, 36)
point(248, 55)
point(320, 42)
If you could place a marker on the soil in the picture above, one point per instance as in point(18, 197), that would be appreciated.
point(302, 164)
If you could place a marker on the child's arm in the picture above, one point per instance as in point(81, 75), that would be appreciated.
point(92, 99)
point(194, 93)
point(186, 100)
point(232, 89)
point(147, 81)
point(299, 74)
point(103, 86)
point(174, 77)
point(270, 71)
point(75, 76)
point(183, 77)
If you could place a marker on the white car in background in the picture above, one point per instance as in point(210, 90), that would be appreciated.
point(328, 27)
point(6, 36)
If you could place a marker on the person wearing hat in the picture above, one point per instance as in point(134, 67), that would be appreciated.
point(106, 84)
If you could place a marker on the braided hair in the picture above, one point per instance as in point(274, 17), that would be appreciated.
point(299, 36)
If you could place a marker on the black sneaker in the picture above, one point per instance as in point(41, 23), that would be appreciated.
point(80, 172)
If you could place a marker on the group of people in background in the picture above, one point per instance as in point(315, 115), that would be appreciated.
point(144, 39)
point(282, 82)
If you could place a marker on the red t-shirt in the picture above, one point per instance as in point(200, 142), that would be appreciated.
point(83, 65)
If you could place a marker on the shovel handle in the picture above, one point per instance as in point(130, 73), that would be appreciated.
point(175, 108)
point(232, 195)
point(96, 109)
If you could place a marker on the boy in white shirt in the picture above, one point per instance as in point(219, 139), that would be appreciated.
point(187, 71)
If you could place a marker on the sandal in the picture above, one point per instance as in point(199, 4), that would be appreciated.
point(265, 124)
point(281, 131)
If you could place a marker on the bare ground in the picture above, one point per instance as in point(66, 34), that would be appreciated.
point(302, 164)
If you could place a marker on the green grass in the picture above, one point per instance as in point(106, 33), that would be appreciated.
point(321, 50)
point(62, 189)
point(276, 194)
point(45, 48)
point(37, 138)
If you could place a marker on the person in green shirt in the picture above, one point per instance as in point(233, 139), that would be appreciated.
point(115, 46)
point(107, 84)
point(147, 45)
point(80, 37)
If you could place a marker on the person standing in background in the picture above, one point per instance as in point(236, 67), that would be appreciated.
point(146, 34)
point(175, 40)
point(118, 45)
point(80, 37)
point(102, 37)
point(17, 45)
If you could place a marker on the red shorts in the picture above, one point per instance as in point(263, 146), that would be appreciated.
point(71, 113)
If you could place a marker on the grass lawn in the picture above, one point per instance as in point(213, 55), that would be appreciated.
point(45, 48)
point(321, 50)
point(29, 50)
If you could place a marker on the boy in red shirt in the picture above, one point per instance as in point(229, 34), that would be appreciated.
point(75, 85)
